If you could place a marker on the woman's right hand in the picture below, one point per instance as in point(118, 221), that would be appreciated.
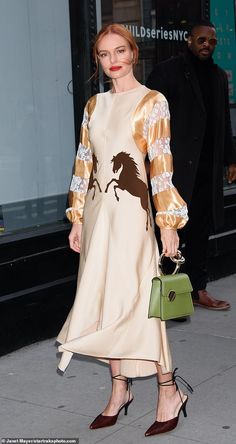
point(75, 237)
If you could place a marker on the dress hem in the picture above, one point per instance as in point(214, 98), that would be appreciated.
point(67, 356)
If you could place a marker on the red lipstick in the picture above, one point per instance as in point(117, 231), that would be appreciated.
point(115, 68)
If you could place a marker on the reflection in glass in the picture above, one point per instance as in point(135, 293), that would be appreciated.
point(160, 31)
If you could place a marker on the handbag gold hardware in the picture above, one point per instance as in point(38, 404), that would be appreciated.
point(171, 294)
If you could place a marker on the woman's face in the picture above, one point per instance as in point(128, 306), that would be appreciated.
point(115, 56)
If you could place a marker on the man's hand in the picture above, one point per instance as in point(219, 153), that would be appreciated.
point(231, 173)
point(75, 237)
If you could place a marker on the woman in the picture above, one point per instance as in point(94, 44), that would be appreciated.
point(113, 230)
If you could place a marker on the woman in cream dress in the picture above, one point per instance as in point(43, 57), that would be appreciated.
point(112, 229)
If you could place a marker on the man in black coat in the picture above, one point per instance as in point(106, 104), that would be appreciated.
point(201, 144)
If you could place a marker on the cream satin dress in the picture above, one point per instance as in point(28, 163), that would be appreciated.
point(119, 253)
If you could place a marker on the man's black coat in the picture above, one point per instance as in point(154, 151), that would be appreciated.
point(177, 80)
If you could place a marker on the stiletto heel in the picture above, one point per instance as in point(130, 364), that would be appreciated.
point(106, 421)
point(126, 406)
point(166, 426)
point(184, 408)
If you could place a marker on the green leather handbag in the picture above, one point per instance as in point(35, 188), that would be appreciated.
point(171, 294)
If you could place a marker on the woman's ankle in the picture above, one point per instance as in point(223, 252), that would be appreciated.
point(167, 392)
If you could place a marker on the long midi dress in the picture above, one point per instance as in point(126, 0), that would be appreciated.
point(119, 253)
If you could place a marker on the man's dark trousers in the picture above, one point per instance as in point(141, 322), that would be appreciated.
point(197, 231)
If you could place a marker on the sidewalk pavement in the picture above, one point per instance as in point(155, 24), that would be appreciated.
point(38, 403)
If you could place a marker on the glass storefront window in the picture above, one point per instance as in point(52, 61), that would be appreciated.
point(160, 31)
point(36, 113)
point(223, 17)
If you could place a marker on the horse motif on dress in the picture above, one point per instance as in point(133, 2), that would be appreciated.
point(93, 180)
point(129, 180)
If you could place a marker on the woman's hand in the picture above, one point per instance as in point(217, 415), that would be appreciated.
point(75, 237)
point(170, 242)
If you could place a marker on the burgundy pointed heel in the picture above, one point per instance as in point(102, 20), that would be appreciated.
point(107, 421)
point(166, 426)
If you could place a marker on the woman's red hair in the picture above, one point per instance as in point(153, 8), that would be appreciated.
point(115, 28)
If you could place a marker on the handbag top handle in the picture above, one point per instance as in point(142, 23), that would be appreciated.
point(178, 260)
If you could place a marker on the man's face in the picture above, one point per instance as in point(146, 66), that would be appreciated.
point(202, 42)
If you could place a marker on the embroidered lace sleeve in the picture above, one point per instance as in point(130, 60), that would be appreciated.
point(82, 171)
point(171, 208)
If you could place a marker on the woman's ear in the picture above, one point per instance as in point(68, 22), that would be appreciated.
point(189, 41)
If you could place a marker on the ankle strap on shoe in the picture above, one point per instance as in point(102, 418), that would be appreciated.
point(124, 379)
point(173, 380)
point(182, 380)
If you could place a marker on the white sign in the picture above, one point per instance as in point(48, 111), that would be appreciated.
point(157, 33)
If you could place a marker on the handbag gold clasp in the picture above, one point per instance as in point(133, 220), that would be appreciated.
point(172, 296)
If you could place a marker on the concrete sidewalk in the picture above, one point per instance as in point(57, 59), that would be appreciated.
point(38, 403)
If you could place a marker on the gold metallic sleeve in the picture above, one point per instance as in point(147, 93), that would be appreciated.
point(82, 168)
point(171, 209)
point(151, 131)
point(76, 205)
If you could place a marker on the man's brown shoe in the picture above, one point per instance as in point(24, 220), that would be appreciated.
point(207, 301)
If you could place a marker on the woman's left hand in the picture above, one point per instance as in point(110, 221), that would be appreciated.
point(170, 242)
